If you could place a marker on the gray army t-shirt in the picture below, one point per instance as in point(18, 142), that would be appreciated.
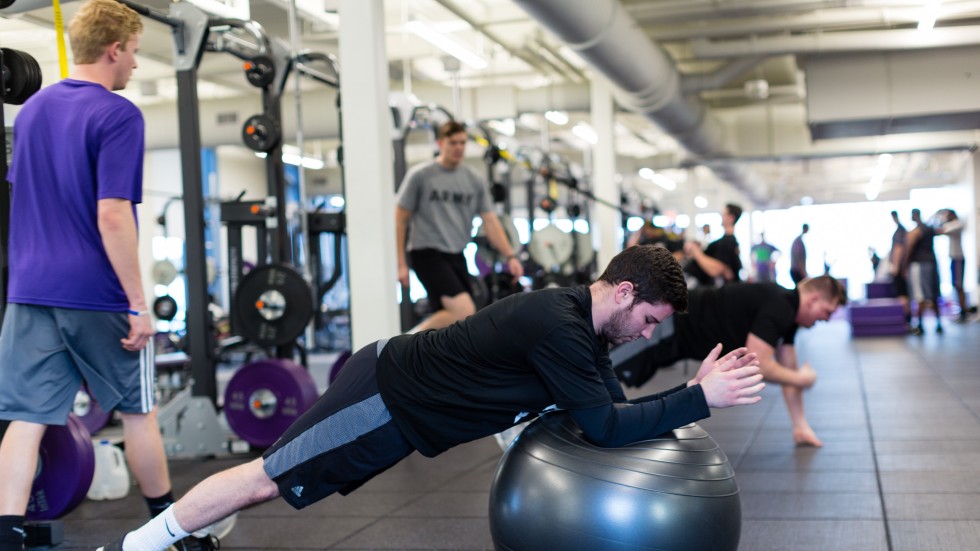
point(443, 203)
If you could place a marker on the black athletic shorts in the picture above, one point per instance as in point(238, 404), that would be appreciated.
point(442, 274)
point(344, 440)
point(901, 285)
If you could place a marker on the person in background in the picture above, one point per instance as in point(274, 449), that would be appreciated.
point(952, 227)
point(797, 257)
point(762, 317)
point(436, 204)
point(764, 256)
point(922, 271)
point(875, 261)
point(719, 262)
point(896, 261)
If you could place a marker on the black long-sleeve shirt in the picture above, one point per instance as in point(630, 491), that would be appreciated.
point(511, 361)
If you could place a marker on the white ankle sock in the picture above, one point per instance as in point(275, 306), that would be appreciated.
point(156, 535)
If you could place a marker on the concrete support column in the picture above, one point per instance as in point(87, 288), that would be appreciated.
point(971, 251)
point(606, 221)
point(368, 172)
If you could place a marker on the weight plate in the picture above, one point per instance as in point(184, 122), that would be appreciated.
point(273, 304)
point(66, 465)
point(260, 71)
point(265, 397)
point(550, 247)
point(89, 412)
point(163, 272)
point(338, 364)
point(165, 308)
point(261, 133)
point(23, 76)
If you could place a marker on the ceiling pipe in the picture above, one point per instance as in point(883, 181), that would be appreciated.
point(677, 11)
point(834, 42)
point(604, 34)
point(692, 84)
point(830, 19)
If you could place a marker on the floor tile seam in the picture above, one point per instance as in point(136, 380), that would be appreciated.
point(736, 465)
point(874, 451)
point(799, 518)
point(949, 387)
point(811, 492)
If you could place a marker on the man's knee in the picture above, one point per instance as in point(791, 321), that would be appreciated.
point(263, 488)
point(459, 306)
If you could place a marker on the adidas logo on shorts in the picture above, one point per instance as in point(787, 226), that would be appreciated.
point(298, 490)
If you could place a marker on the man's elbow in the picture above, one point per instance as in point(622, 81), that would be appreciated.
point(110, 220)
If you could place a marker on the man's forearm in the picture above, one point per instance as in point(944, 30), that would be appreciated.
point(117, 227)
point(498, 238)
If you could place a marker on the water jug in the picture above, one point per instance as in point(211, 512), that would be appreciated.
point(111, 480)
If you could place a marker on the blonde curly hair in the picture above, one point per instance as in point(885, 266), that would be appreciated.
point(98, 24)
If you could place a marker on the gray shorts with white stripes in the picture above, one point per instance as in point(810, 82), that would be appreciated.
point(46, 352)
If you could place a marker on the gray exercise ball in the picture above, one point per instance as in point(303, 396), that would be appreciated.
point(555, 490)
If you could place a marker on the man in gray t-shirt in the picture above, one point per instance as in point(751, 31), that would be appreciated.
point(434, 214)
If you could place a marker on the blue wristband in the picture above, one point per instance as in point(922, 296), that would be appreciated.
point(139, 314)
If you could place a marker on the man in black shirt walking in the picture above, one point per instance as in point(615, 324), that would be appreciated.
point(719, 262)
point(519, 357)
point(763, 317)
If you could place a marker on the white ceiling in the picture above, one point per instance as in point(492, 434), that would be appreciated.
point(762, 110)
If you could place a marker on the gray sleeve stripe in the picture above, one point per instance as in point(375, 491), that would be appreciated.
point(343, 427)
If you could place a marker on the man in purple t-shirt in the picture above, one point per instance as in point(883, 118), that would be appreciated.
point(77, 310)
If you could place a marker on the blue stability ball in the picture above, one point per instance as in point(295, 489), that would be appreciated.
point(555, 490)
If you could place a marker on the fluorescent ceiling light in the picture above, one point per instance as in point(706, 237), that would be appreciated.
point(657, 178)
point(929, 13)
point(874, 186)
point(558, 117)
point(445, 44)
point(682, 221)
point(661, 221)
point(586, 133)
point(337, 201)
point(700, 202)
point(664, 182)
point(634, 223)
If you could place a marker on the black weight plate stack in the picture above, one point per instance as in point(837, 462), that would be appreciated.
point(273, 304)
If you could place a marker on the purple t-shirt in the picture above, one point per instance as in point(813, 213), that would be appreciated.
point(74, 144)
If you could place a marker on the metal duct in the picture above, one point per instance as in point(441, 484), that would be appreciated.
point(606, 36)
point(845, 41)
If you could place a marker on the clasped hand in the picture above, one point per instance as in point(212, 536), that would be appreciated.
point(734, 379)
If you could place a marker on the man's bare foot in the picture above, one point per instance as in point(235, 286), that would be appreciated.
point(804, 436)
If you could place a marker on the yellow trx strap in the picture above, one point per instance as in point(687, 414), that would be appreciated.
point(59, 29)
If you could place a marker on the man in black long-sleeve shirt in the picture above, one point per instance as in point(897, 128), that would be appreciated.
point(522, 356)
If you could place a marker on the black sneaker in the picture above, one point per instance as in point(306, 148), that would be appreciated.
point(114, 546)
point(190, 543)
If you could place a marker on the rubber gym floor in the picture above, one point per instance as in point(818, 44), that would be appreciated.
point(899, 416)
